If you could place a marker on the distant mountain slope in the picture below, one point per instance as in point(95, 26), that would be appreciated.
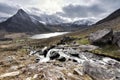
point(49, 19)
point(22, 22)
point(112, 16)
point(54, 19)
point(2, 19)
point(112, 21)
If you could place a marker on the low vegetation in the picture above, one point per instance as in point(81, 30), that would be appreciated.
point(108, 50)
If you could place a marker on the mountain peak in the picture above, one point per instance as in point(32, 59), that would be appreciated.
point(20, 11)
point(21, 14)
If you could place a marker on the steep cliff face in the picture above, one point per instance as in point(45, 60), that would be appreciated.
point(22, 22)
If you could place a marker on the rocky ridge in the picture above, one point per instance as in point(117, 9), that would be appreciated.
point(97, 67)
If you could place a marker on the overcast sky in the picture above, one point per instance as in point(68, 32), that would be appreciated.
point(67, 8)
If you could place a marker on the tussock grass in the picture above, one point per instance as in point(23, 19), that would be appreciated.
point(108, 50)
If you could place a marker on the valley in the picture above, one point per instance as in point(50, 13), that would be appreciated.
point(48, 47)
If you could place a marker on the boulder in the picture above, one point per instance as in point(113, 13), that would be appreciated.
point(61, 59)
point(116, 38)
point(101, 36)
point(65, 39)
point(99, 72)
point(118, 43)
point(53, 54)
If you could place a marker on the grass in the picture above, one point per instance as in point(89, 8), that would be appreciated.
point(108, 50)
point(84, 41)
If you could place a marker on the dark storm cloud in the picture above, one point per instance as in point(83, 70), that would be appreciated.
point(5, 8)
point(74, 11)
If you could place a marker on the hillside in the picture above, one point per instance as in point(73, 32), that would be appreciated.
point(112, 16)
point(111, 21)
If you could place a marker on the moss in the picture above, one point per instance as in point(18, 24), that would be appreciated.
point(108, 50)
point(83, 41)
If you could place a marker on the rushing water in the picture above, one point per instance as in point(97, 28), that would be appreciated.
point(47, 35)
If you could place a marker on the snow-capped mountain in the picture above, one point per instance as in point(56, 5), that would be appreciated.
point(49, 19)
point(52, 19)
point(22, 22)
point(55, 19)
point(83, 22)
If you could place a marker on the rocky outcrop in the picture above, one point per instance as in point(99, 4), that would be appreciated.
point(101, 72)
point(96, 66)
point(101, 36)
point(105, 36)
point(116, 38)
point(65, 39)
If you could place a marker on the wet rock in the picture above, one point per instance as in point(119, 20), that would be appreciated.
point(98, 67)
point(43, 51)
point(46, 49)
point(101, 36)
point(72, 52)
point(53, 54)
point(62, 59)
point(112, 62)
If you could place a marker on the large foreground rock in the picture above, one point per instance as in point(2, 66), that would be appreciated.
point(100, 72)
point(101, 36)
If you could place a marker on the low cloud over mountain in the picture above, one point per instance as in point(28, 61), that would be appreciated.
point(6, 9)
point(71, 9)
point(75, 11)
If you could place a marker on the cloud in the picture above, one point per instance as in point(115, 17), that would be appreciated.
point(75, 11)
point(66, 8)
point(6, 9)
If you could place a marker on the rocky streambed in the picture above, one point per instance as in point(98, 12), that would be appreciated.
point(78, 62)
point(65, 61)
point(97, 67)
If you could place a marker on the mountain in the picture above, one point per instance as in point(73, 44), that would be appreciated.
point(2, 19)
point(22, 22)
point(111, 21)
point(54, 19)
point(112, 16)
point(49, 19)
point(57, 23)
point(83, 22)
